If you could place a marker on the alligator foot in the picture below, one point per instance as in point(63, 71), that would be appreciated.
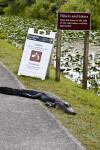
point(50, 104)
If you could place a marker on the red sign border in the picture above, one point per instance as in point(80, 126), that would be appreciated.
point(39, 53)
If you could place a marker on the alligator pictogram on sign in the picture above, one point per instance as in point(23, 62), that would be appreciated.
point(36, 56)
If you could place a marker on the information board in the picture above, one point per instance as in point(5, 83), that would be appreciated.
point(36, 54)
point(73, 21)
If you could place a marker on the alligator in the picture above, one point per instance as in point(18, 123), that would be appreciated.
point(50, 100)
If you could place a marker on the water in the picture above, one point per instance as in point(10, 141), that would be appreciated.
point(72, 61)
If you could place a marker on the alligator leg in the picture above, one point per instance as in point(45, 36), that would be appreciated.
point(50, 104)
point(58, 107)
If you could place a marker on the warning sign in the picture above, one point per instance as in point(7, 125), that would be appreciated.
point(35, 56)
point(73, 21)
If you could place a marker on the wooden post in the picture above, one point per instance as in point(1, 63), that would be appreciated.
point(49, 66)
point(58, 55)
point(85, 60)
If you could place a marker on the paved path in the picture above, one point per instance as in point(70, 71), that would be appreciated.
point(25, 124)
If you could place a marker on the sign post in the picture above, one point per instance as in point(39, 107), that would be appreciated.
point(58, 55)
point(49, 65)
point(76, 21)
point(85, 60)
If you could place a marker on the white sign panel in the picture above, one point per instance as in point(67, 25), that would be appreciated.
point(36, 54)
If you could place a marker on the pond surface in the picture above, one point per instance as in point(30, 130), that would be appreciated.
point(72, 61)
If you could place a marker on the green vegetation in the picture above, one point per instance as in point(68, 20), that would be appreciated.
point(85, 126)
point(14, 29)
point(48, 9)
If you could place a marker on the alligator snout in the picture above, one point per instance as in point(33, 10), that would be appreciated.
point(70, 110)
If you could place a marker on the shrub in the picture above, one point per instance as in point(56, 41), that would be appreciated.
point(8, 10)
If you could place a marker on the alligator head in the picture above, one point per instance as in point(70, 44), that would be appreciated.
point(66, 107)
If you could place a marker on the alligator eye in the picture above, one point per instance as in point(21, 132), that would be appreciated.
point(67, 105)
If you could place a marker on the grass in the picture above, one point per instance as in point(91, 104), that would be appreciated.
point(85, 126)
